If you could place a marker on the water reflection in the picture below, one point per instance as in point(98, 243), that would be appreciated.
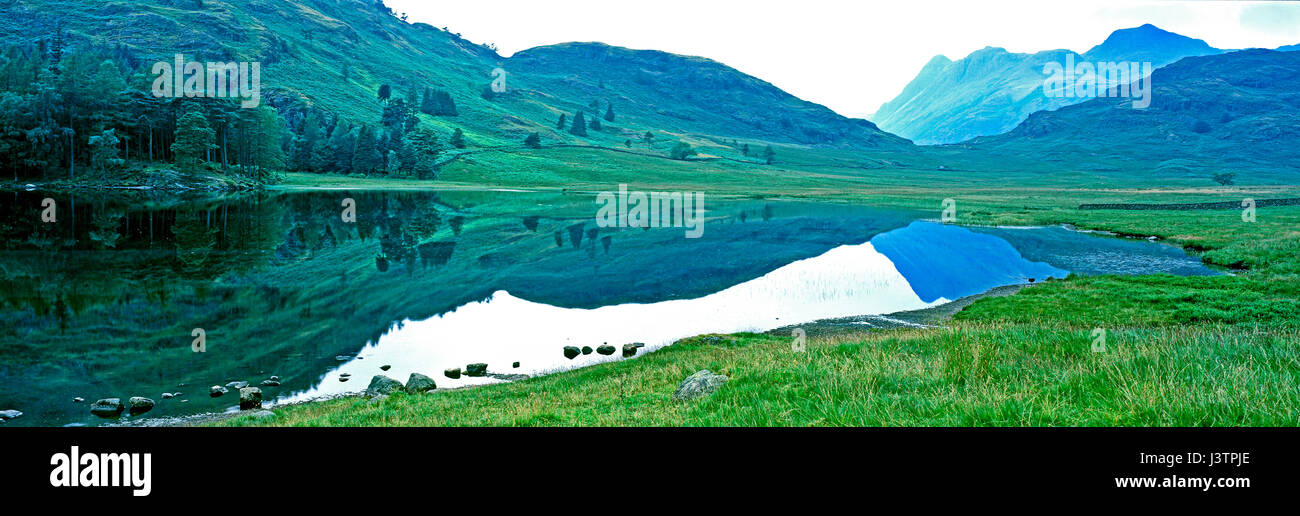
point(102, 303)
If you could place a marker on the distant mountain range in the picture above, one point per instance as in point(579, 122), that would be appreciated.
point(992, 90)
point(1239, 110)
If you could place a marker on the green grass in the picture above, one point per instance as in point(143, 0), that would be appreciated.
point(969, 374)
point(1180, 351)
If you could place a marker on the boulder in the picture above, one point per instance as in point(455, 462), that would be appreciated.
point(606, 349)
point(453, 373)
point(476, 369)
point(344, 378)
point(270, 383)
point(702, 383)
point(419, 383)
point(9, 414)
point(237, 385)
point(629, 350)
point(168, 395)
point(217, 391)
point(383, 385)
point(515, 365)
point(250, 398)
point(385, 367)
point(107, 408)
point(586, 350)
point(571, 351)
point(262, 415)
point(139, 405)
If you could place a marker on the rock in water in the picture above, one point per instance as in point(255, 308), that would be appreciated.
point(606, 349)
point(216, 391)
point(250, 398)
point(419, 383)
point(629, 350)
point(107, 408)
point(382, 385)
point(452, 373)
point(168, 395)
point(9, 414)
point(477, 369)
point(515, 365)
point(385, 367)
point(78, 399)
point(586, 350)
point(139, 405)
point(571, 351)
point(270, 383)
point(237, 385)
point(702, 383)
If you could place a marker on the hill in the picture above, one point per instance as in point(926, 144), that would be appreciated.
point(1209, 114)
point(350, 75)
point(992, 90)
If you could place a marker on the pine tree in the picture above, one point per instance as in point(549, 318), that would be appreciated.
point(579, 127)
point(533, 141)
point(422, 150)
point(385, 92)
point(769, 155)
point(458, 139)
point(366, 158)
point(595, 124)
point(194, 138)
point(563, 119)
point(609, 113)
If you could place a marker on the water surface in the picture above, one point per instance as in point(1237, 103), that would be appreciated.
point(103, 302)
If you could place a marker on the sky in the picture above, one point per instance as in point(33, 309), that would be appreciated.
point(849, 55)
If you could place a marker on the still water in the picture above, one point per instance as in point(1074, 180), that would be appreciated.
point(104, 301)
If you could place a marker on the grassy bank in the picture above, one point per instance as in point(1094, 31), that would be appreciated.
point(1194, 351)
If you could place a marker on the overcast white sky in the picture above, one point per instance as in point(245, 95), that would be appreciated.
point(850, 55)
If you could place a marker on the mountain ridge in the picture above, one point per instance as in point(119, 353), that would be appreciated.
point(991, 90)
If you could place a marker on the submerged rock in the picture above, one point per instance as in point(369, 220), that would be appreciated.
point(571, 351)
point(9, 414)
point(168, 395)
point(237, 385)
point(606, 349)
point(629, 350)
point(139, 405)
point(476, 369)
point(381, 384)
point(702, 383)
point(452, 373)
point(250, 398)
point(78, 399)
point(217, 390)
point(419, 383)
point(107, 407)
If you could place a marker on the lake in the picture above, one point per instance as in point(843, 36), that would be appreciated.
point(106, 300)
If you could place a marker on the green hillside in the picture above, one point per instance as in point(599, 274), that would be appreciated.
point(1212, 114)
